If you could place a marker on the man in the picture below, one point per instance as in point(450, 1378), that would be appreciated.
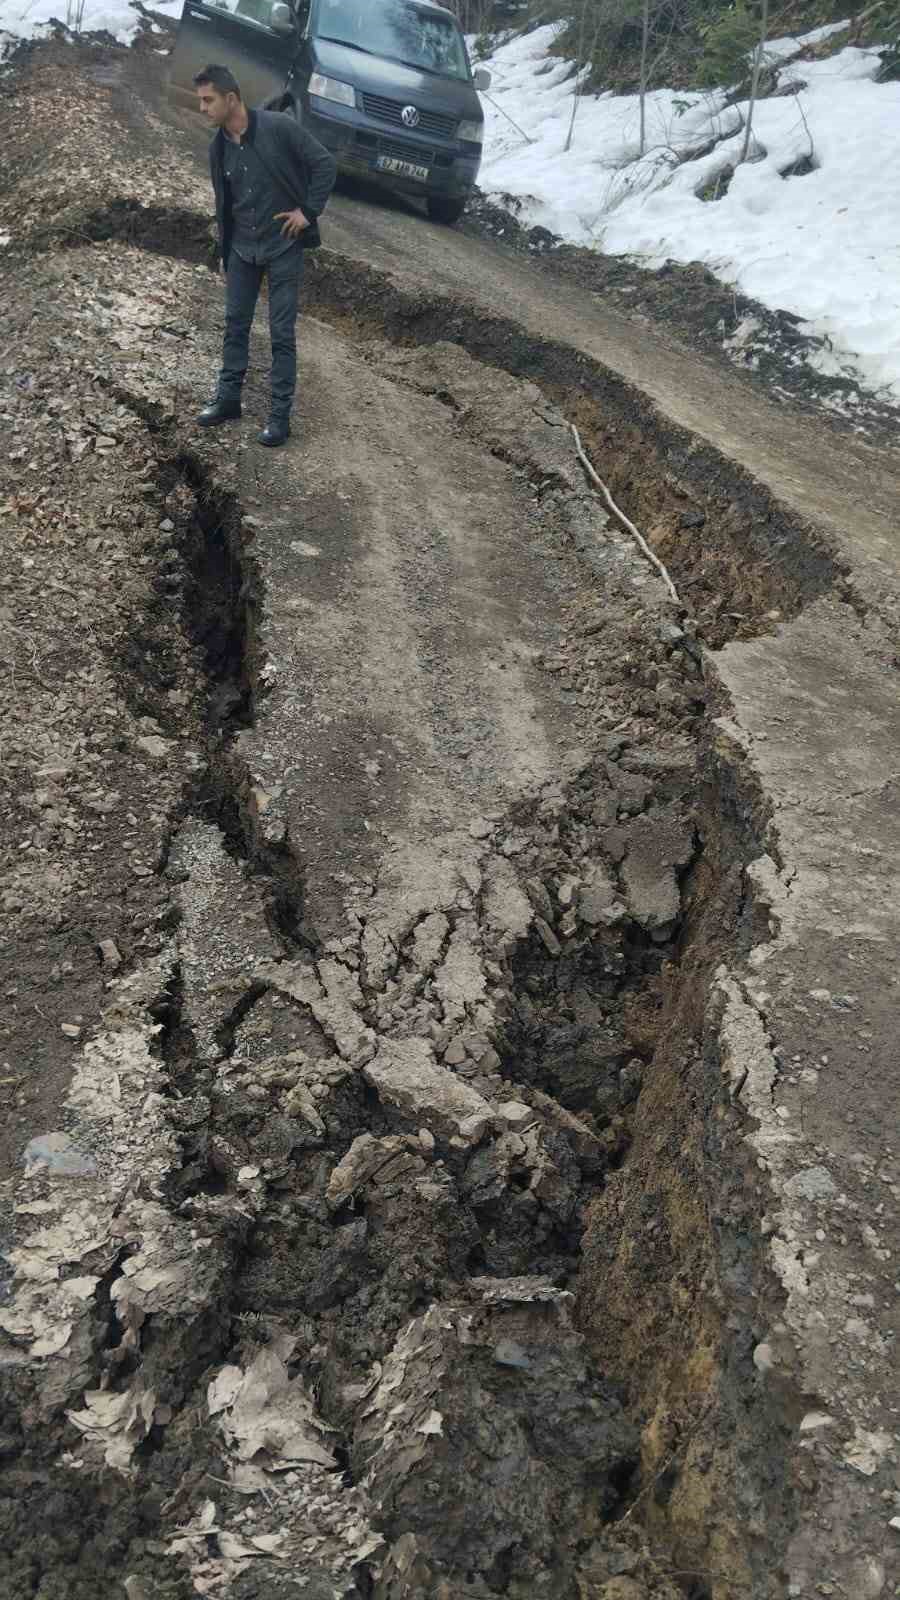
point(271, 180)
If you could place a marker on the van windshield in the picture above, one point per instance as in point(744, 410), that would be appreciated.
point(398, 29)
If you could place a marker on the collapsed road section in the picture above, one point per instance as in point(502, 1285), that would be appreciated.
point(448, 983)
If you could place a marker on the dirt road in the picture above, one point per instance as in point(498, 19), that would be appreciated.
point(450, 990)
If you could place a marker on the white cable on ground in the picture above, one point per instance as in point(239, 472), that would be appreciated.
point(635, 532)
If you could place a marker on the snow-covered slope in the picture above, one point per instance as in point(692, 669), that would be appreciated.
point(28, 19)
point(825, 245)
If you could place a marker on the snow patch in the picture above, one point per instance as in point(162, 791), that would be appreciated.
point(824, 245)
point(30, 19)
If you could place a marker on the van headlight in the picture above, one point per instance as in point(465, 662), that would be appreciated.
point(472, 131)
point(332, 89)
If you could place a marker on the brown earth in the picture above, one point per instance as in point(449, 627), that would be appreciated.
point(465, 1197)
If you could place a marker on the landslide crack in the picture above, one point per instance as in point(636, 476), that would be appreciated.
point(418, 1278)
point(739, 560)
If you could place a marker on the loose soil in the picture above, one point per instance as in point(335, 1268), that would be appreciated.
point(381, 831)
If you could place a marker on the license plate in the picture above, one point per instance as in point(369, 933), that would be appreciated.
point(403, 169)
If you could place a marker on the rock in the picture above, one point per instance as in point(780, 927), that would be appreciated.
point(459, 982)
point(566, 890)
point(763, 1357)
point(622, 1589)
point(488, 1173)
point(387, 1162)
point(70, 1029)
point(428, 941)
point(516, 1115)
point(589, 1151)
point(152, 745)
point(60, 1156)
point(615, 843)
point(109, 951)
point(554, 1178)
point(409, 1080)
point(539, 898)
point(596, 897)
point(480, 828)
point(548, 937)
point(655, 844)
point(507, 910)
point(633, 791)
point(812, 1183)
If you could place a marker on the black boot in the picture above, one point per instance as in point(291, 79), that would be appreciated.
point(277, 431)
point(222, 409)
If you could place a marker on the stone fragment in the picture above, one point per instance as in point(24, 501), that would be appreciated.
point(633, 791)
point(61, 1157)
point(588, 1150)
point(387, 1162)
point(460, 982)
point(429, 939)
point(516, 1114)
point(548, 937)
point(763, 1357)
point(656, 843)
point(507, 910)
point(596, 896)
point(152, 745)
point(539, 898)
point(110, 954)
point(409, 1080)
point(623, 1588)
point(566, 890)
point(812, 1183)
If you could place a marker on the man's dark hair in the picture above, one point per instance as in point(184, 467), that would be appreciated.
point(219, 78)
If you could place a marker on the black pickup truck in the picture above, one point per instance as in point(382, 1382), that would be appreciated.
point(385, 85)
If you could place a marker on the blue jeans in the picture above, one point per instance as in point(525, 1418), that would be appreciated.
point(243, 283)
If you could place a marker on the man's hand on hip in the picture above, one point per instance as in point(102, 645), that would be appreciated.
point(294, 222)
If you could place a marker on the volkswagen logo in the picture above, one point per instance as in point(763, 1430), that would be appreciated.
point(410, 116)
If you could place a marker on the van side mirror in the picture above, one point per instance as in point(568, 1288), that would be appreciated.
point(281, 19)
point(482, 79)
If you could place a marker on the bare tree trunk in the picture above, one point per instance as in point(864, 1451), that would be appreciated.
point(645, 39)
point(754, 82)
point(582, 28)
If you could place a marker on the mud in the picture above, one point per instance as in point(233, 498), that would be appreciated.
point(740, 561)
point(343, 1213)
point(420, 1245)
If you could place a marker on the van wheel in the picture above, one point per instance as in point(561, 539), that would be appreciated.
point(442, 210)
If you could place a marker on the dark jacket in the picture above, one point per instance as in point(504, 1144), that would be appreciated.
point(300, 167)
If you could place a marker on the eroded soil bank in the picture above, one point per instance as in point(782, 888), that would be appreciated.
point(425, 922)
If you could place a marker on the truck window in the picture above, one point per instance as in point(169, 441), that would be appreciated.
point(398, 30)
point(258, 11)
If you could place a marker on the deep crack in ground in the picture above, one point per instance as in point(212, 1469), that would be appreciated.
point(423, 1254)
